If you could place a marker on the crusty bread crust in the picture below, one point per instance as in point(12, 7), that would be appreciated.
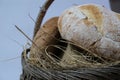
point(93, 27)
point(46, 35)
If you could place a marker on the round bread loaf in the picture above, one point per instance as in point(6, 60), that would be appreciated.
point(92, 27)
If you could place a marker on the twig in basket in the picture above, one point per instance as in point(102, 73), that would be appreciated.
point(41, 15)
point(31, 41)
point(23, 33)
point(26, 36)
point(31, 18)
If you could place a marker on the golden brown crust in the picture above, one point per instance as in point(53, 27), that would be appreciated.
point(93, 12)
point(47, 35)
point(47, 31)
point(87, 22)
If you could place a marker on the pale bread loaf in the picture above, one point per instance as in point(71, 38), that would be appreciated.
point(93, 27)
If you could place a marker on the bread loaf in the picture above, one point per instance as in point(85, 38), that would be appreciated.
point(46, 36)
point(93, 27)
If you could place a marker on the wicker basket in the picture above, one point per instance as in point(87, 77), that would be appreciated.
point(32, 72)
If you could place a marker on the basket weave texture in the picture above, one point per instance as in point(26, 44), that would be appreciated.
point(32, 72)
